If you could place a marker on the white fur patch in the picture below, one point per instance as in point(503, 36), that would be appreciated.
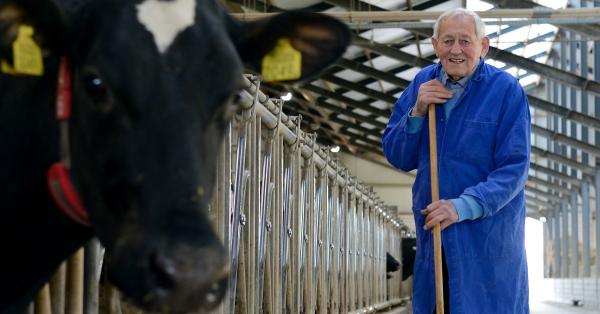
point(165, 19)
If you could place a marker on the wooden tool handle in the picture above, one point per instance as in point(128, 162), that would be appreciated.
point(435, 196)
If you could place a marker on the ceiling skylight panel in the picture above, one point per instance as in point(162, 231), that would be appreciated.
point(355, 95)
point(554, 4)
point(409, 74)
point(386, 35)
point(476, 5)
point(382, 63)
point(530, 79)
point(350, 75)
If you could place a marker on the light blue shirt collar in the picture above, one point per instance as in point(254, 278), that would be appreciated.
point(446, 80)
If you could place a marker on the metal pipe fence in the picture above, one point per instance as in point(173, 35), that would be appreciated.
point(303, 235)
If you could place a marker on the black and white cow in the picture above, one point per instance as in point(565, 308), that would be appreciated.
point(151, 89)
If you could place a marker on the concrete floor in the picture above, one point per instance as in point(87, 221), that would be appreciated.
point(558, 308)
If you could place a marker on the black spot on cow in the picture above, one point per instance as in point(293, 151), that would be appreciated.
point(391, 264)
point(409, 250)
point(145, 127)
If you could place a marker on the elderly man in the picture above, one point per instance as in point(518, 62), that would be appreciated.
point(483, 125)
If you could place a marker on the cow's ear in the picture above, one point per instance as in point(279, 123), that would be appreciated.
point(44, 17)
point(291, 46)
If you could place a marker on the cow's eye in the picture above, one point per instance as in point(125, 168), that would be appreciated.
point(97, 90)
point(95, 87)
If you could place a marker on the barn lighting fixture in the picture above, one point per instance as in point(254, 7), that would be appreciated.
point(287, 97)
point(335, 149)
point(543, 219)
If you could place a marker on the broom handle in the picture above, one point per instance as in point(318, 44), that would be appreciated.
point(435, 196)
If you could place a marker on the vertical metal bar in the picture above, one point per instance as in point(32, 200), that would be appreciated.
point(30, 308)
point(548, 242)
point(372, 254)
point(345, 223)
point(278, 237)
point(332, 222)
point(75, 283)
point(557, 243)
point(256, 226)
point(309, 178)
point(585, 220)
point(361, 253)
point(327, 239)
point(322, 230)
point(224, 210)
point(375, 249)
point(366, 260)
point(380, 258)
point(91, 270)
point(241, 177)
point(397, 247)
point(585, 97)
point(574, 235)
point(565, 239)
point(113, 301)
point(264, 202)
point(305, 261)
point(42, 301)
point(286, 237)
point(335, 250)
point(597, 189)
point(369, 255)
point(57, 289)
point(352, 250)
point(312, 230)
point(319, 208)
point(298, 240)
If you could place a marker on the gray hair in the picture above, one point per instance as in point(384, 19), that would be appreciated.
point(479, 25)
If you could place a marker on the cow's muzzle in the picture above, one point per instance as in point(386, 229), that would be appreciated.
point(176, 279)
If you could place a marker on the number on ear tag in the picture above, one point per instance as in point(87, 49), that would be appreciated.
point(283, 63)
point(26, 53)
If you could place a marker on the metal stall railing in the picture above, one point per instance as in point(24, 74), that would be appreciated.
point(303, 235)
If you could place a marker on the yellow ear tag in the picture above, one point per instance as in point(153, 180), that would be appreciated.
point(27, 54)
point(283, 63)
point(7, 68)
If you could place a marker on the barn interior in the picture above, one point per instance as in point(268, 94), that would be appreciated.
point(307, 205)
point(553, 56)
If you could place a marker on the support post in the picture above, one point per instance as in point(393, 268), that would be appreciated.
point(574, 235)
point(585, 220)
point(565, 239)
point(557, 244)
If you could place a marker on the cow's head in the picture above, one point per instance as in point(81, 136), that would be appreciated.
point(153, 88)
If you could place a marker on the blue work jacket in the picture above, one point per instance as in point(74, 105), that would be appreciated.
point(483, 151)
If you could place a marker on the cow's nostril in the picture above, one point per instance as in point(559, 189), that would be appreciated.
point(164, 270)
point(216, 292)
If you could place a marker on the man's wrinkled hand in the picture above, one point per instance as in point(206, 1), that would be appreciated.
point(430, 92)
point(442, 212)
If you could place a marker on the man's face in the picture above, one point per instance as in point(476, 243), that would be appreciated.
point(457, 46)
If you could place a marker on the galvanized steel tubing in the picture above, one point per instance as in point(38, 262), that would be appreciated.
point(304, 236)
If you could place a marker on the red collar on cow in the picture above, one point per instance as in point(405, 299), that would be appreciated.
point(59, 181)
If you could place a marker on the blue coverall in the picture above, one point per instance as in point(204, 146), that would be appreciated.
point(483, 152)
